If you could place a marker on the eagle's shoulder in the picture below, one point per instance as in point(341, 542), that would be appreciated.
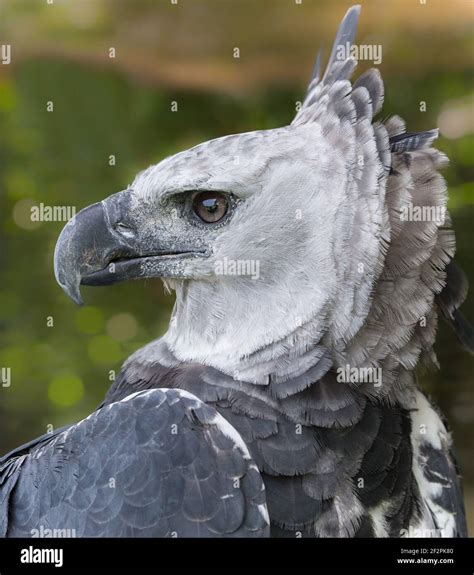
point(174, 468)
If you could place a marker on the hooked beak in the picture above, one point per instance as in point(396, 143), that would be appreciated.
point(101, 246)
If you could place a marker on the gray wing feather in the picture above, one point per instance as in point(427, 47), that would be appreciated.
point(158, 463)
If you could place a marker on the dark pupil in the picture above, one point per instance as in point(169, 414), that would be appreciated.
point(211, 205)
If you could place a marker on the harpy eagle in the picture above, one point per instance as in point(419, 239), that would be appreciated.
point(282, 402)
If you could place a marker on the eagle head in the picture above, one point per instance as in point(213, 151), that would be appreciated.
point(279, 240)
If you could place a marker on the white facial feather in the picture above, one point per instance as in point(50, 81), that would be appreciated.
point(293, 185)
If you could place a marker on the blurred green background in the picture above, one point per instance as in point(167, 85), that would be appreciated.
point(63, 357)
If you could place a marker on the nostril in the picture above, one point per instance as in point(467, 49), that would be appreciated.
point(124, 230)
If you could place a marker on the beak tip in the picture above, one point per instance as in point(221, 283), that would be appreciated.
point(74, 293)
point(78, 301)
point(68, 278)
point(71, 289)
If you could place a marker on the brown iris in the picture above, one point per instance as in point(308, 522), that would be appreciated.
point(210, 206)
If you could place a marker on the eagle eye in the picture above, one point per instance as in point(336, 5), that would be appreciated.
point(210, 207)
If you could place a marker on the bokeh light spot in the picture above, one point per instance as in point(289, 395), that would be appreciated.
point(15, 358)
point(65, 390)
point(103, 349)
point(22, 215)
point(122, 326)
point(457, 118)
